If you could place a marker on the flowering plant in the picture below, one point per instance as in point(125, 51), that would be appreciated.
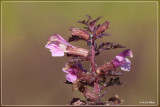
point(90, 83)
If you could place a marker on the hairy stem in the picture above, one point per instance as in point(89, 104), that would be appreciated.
point(93, 57)
point(96, 85)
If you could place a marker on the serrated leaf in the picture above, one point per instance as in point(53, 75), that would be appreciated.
point(75, 38)
point(107, 46)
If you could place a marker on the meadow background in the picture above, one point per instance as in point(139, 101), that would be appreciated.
point(31, 76)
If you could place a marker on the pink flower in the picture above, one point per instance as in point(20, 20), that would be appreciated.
point(58, 46)
point(71, 71)
point(121, 60)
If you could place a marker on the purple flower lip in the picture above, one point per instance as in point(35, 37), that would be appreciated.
point(126, 53)
point(121, 60)
point(71, 71)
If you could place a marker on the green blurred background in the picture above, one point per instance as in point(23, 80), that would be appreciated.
point(31, 76)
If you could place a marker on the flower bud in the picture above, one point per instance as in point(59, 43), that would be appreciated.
point(80, 33)
point(89, 79)
point(91, 95)
point(102, 28)
point(77, 51)
point(105, 68)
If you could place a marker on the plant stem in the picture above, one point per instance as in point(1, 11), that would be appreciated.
point(96, 85)
point(93, 56)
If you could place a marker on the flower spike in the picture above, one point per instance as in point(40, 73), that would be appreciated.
point(93, 81)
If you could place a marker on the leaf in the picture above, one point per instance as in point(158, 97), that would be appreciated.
point(104, 34)
point(84, 22)
point(107, 46)
point(75, 38)
point(67, 82)
point(92, 23)
point(89, 17)
point(96, 27)
point(113, 73)
point(115, 81)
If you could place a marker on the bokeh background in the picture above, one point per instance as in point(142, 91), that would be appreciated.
point(31, 76)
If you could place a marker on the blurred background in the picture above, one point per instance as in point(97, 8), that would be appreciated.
point(31, 76)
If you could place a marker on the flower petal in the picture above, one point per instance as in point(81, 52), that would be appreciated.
point(55, 50)
point(126, 65)
point(120, 59)
point(57, 53)
point(71, 78)
point(51, 46)
point(64, 70)
point(57, 45)
point(117, 61)
point(58, 38)
point(69, 70)
point(126, 53)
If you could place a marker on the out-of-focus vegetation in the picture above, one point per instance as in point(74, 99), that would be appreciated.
point(32, 76)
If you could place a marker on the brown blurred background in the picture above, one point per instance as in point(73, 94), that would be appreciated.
point(31, 76)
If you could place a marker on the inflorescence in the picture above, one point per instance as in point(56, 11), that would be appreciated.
point(90, 83)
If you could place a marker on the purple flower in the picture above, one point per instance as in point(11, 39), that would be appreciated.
point(121, 60)
point(71, 71)
point(57, 45)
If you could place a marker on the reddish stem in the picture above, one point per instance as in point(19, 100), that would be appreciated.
point(93, 57)
point(96, 85)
